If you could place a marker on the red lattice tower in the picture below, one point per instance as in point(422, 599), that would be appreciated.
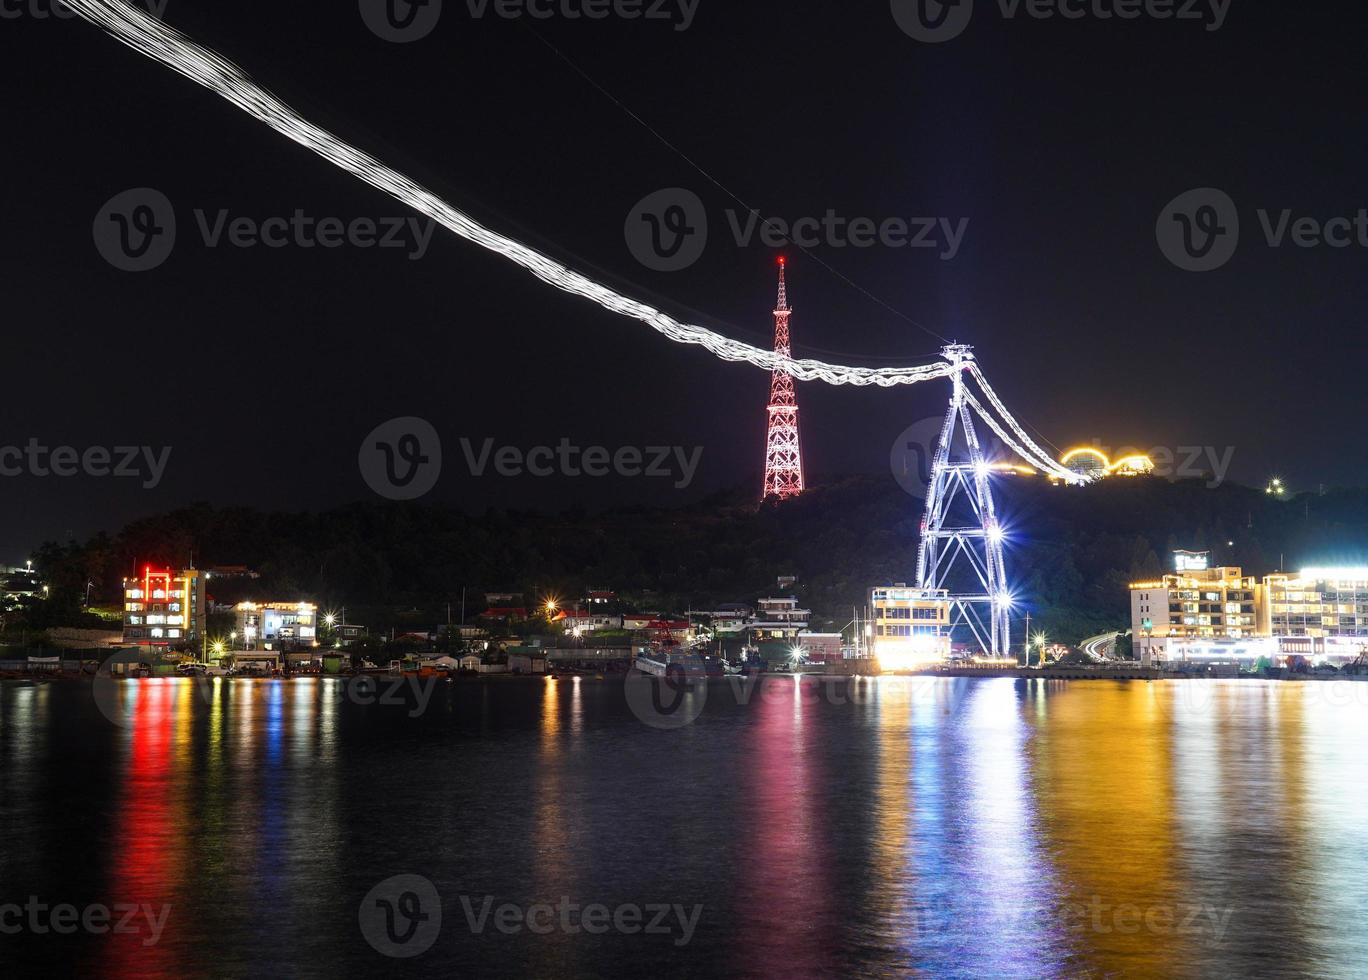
point(783, 454)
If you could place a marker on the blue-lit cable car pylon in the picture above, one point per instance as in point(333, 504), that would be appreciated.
point(960, 527)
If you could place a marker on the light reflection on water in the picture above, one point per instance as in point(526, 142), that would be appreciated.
point(947, 827)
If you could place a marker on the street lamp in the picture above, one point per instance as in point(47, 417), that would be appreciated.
point(1040, 640)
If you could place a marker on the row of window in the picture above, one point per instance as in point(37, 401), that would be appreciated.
point(904, 612)
point(908, 631)
point(156, 594)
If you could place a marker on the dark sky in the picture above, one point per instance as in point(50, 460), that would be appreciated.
point(1060, 140)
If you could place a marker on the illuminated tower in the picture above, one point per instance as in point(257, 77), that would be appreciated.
point(783, 454)
point(961, 539)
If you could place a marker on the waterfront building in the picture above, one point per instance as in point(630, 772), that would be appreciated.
point(164, 608)
point(1221, 614)
point(821, 648)
point(779, 619)
point(276, 625)
point(909, 628)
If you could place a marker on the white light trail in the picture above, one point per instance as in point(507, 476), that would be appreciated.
point(1037, 455)
point(151, 37)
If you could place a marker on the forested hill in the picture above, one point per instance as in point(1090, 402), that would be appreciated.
point(1072, 550)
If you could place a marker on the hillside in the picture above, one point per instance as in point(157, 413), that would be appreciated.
point(1072, 551)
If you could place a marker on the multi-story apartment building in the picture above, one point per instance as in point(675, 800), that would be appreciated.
point(276, 625)
point(1320, 612)
point(1197, 604)
point(164, 609)
point(1222, 614)
point(909, 628)
point(779, 619)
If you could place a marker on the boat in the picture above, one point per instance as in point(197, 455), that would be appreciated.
point(667, 657)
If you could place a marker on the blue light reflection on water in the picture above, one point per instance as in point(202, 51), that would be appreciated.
point(958, 828)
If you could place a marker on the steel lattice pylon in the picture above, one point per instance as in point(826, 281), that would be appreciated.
point(783, 453)
point(974, 538)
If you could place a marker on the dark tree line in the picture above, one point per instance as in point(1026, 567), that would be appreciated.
point(1072, 552)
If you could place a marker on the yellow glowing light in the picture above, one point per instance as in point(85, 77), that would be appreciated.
point(1133, 465)
point(910, 654)
point(1086, 450)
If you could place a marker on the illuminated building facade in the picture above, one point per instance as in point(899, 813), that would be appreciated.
point(1093, 464)
point(779, 619)
point(1222, 614)
point(1193, 604)
point(276, 625)
point(164, 608)
point(909, 628)
point(1320, 612)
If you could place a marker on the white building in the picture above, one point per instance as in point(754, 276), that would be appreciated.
point(779, 619)
point(1221, 614)
point(909, 628)
point(273, 625)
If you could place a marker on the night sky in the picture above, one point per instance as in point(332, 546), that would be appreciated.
point(1060, 140)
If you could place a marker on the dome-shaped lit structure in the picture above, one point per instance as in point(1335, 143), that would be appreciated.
point(1087, 462)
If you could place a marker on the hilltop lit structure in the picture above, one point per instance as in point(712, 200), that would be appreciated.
point(1092, 463)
